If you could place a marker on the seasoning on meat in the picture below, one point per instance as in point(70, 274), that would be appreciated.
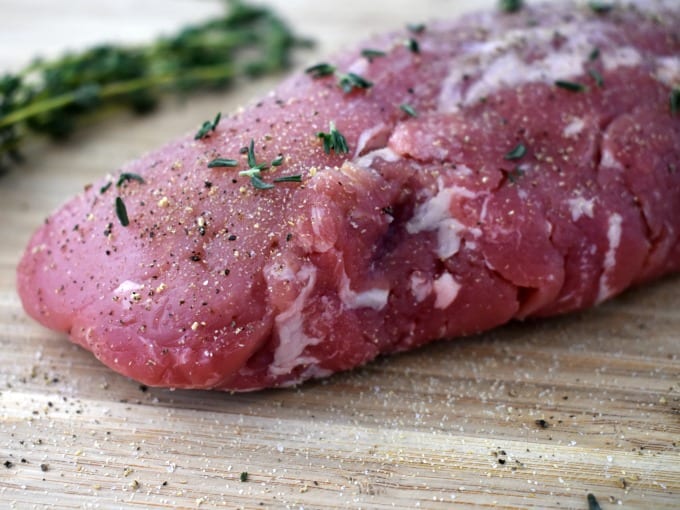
point(539, 176)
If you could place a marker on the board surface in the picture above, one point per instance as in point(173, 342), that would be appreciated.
point(533, 415)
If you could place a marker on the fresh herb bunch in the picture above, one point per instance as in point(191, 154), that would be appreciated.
point(50, 97)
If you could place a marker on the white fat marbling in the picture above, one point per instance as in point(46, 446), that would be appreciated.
point(580, 206)
point(574, 128)
point(434, 215)
point(614, 239)
point(289, 327)
point(446, 289)
point(421, 287)
point(375, 298)
point(387, 154)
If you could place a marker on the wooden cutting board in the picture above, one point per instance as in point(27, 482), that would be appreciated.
point(533, 415)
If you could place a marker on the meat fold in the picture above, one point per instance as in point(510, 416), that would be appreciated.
point(498, 167)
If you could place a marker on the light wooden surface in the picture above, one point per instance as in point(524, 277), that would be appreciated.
point(455, 423)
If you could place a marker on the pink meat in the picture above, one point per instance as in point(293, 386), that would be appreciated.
point(426, 229)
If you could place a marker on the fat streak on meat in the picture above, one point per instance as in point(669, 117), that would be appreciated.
point(426, 229)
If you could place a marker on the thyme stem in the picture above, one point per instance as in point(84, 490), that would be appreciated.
point(49, 97)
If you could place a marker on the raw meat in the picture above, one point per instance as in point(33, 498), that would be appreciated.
point(499, 167)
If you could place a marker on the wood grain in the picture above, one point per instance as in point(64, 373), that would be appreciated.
point(533, 415)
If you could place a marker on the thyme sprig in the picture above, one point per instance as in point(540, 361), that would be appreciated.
point(333, 140)
point(51, 97)
point(254, 170)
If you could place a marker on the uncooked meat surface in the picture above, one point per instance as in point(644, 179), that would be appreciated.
point(499, 167)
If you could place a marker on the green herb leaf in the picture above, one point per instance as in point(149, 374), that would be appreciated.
point(407, 108)
point(515, 175)
point(105, 187)
point(594, 54)
point(289, 178)
point(600, 7)
point(412, 45)
point(595, 75)
point(252, 162)
point(571, 86)
point(511, 5)
point(675, 101)
point(222, 162)
point(320, 70)
point(51, 97)
point(244, 476)
point(207, 127)
point(333, 141)
point(121, 212)
point(259, 183)
point(416, 28)
point(278, 161)
point(127, 177)
point(372, 54)
point(350, 81)
point(517, 153)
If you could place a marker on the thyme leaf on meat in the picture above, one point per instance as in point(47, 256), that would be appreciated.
point(350, 81)
point(600, 7)
point(595, 75)
point(571, 86)
point(333, 140)
point(675, 101)
point(511, 5)
point(289, 178)
point(259, 183)
point(127, 177)
point(371, 54)
point(121, 212)
point(517, 153)
point(412, 45)
point(52, 97)
point(408, 109)
point(222, 162)
point(594, 54)
point(416, 28)
point(208, 127)
point(320, 70)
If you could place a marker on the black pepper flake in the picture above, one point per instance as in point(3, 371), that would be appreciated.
point(143, 388)
point(542, 423)
point(232, 237)
point(208, 184)
point(289, 237)
point(416, 28)
point(195, 258)
point(109, 228)
point(226, 272)
point(8, 464)
point(44, 467)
